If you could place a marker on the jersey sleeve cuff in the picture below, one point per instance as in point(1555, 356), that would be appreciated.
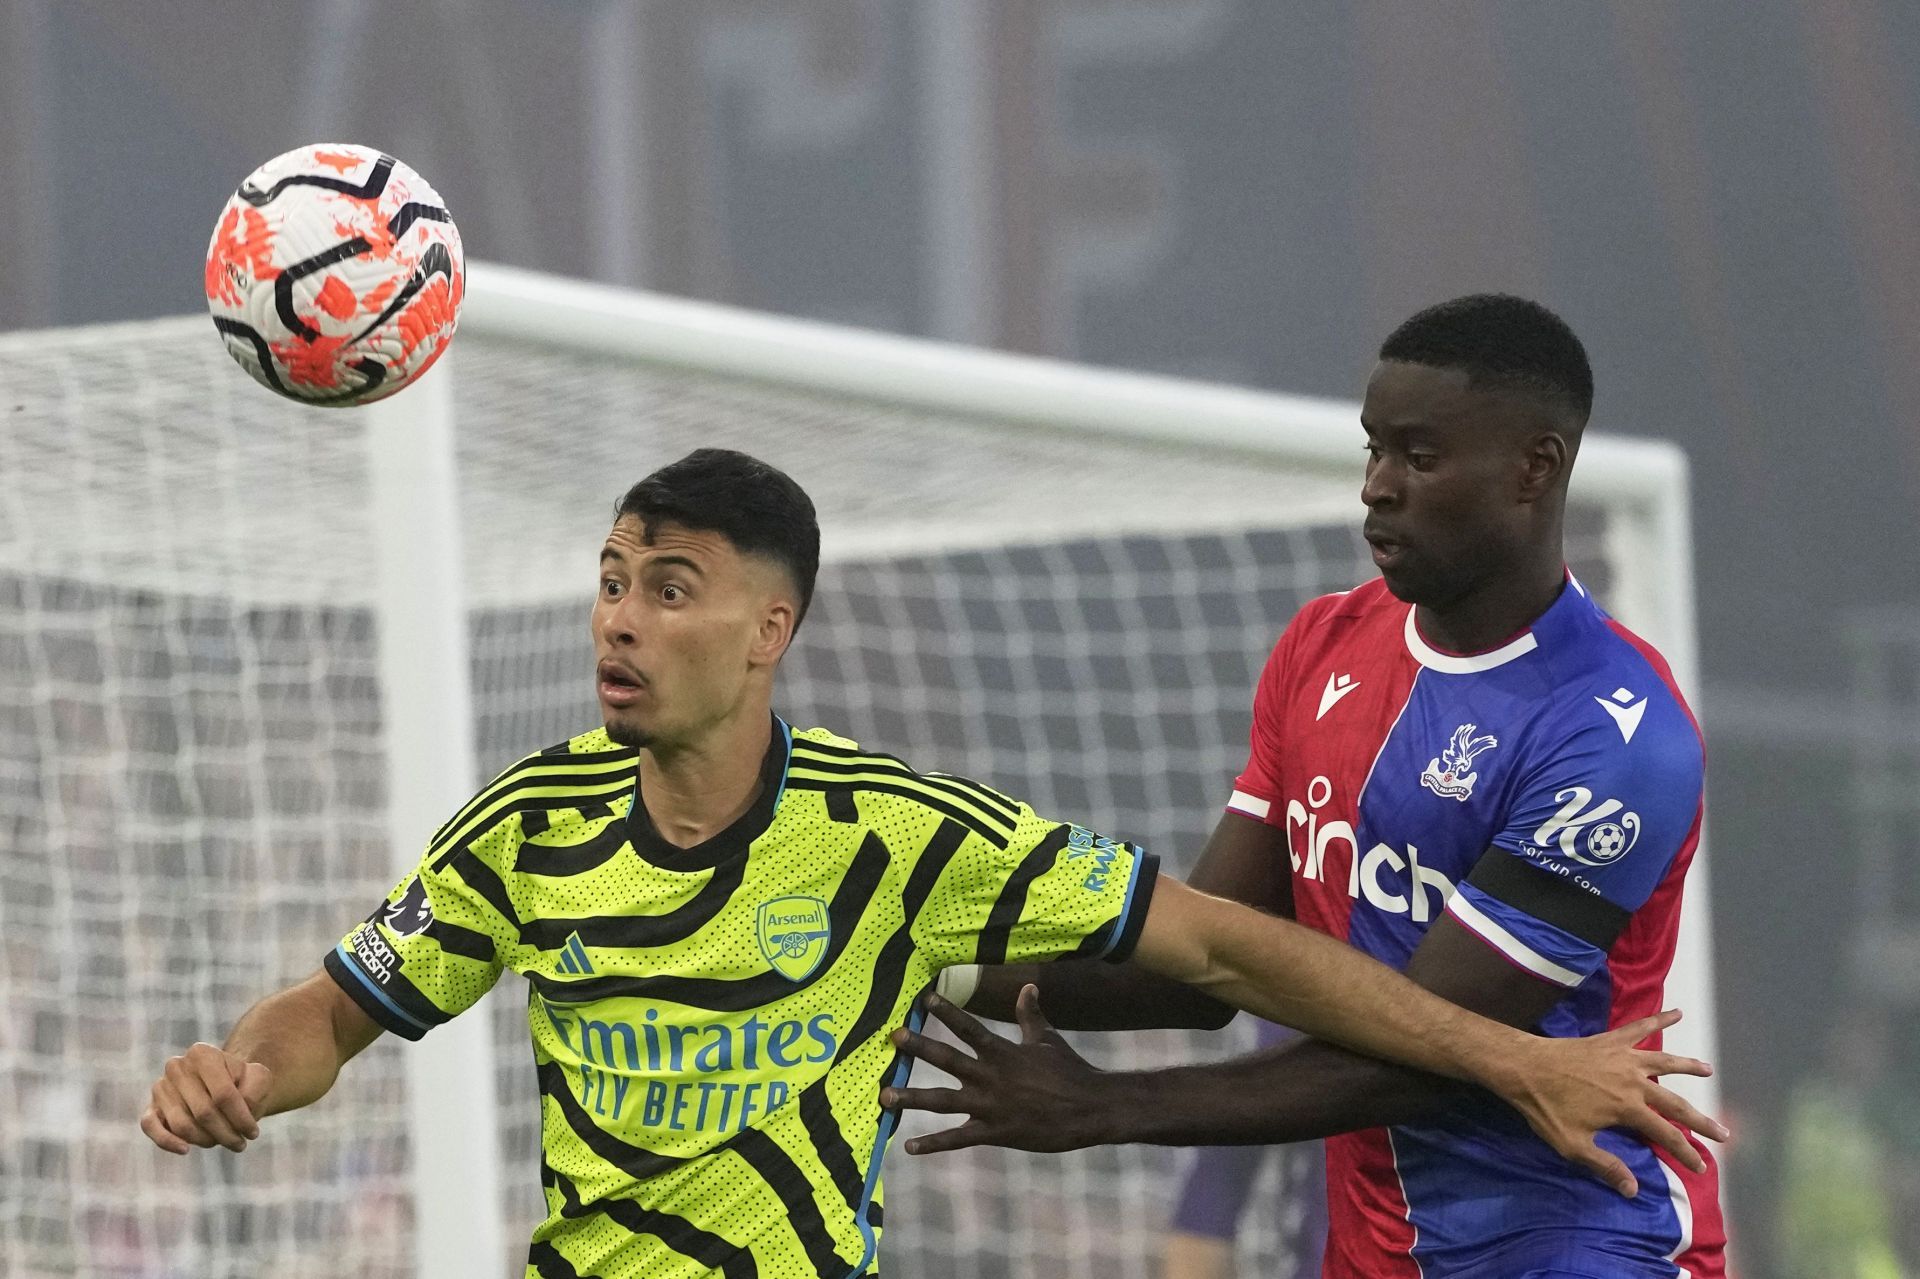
point(374, 1002)
point(1133, 911)
point(1535, 948)
point(1248, 804)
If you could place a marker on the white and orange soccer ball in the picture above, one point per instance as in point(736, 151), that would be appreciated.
point(335, 275)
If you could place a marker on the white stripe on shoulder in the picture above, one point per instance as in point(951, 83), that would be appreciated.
point(1251, 805)
point(1484, 927)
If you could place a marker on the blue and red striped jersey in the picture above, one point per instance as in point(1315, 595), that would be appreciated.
point(1394, 768)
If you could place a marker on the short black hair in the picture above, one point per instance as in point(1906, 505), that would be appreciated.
point(1499, 340)
point(752, 504)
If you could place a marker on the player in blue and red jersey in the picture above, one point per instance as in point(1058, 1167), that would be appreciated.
point(1467, 769)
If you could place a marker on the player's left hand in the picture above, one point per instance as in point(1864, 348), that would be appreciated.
point(1571, 1089)
point(1038, 1094)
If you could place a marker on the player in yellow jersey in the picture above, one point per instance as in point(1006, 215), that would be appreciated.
point(724, 922)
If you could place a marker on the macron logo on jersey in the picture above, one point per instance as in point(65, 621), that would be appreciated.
point(1338, 686)
point(1625, 711)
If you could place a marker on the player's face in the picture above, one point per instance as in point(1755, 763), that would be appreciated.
point(682, 624)
point(1445, 469)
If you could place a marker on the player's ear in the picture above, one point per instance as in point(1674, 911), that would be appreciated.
point(775, 632)
point(1544, 465)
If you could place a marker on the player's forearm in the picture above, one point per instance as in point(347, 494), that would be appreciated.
point(1290, 974)
point(1092, 994)
point(293, 1034)
point(1299, 1092)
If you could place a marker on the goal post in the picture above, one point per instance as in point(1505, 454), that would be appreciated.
point(251, 651)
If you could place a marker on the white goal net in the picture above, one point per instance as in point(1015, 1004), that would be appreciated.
point(1061, 581)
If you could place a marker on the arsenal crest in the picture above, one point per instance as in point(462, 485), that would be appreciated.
point(793, 933)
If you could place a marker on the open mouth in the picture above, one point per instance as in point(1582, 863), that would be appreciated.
point(618, 685)
point(1386, 551)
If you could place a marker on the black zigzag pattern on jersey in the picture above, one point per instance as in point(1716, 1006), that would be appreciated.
point(982, 792)
point(521, 801)
point(552, 764)
point(890, 966)
point(1012, 902)
point(481, 879)
point(952, 812)
point(840, 805)
point(584, 772)
point(371, 369)
point(850, 902)
point(831, 758)
point(637, 931)
point(677, 1233)
point(549, 1264)
point(991, 813)
point(456, 940)
point(559, 860)
point(777, 1168)
point(375, 183)
point(636, 1161)
point(830, 1144)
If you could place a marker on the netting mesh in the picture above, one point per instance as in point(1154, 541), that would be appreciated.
point(191, 758)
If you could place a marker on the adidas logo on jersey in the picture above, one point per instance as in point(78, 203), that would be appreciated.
point(573, 957)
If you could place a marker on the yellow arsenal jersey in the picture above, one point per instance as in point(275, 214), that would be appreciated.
point(711, 1024)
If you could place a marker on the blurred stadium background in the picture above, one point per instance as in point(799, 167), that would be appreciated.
point(1722, 197)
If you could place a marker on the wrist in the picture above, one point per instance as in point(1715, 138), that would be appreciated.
point(1119, 1107)
point(1499, 1060)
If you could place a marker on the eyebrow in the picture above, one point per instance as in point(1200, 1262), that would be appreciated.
point(658, 561)
point(677, 561)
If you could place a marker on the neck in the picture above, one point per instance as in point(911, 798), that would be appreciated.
point(1504, 605)
point(695, 790)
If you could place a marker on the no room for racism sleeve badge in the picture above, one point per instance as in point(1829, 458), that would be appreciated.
point(793, 933)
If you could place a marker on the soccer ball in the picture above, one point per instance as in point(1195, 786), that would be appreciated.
point(1606, 842)
point(335, 275)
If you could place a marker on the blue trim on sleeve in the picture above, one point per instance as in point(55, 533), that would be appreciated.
point(1121, 922)
point(366, 984)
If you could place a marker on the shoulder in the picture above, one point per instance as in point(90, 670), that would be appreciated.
point(1330, 618)
point(1365, 603)
point(591, 757)
point(887, 784)
point(1615, 709)
point(1328, 622)
point(589, 767)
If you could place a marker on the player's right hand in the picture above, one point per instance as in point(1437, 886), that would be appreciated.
point(206, 1097)
point(1571, 1089)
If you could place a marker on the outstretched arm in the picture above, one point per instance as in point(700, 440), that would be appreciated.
point(1042, 1093)
point(284, 1053)
point(1244, 861)
point(1567, 1089)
